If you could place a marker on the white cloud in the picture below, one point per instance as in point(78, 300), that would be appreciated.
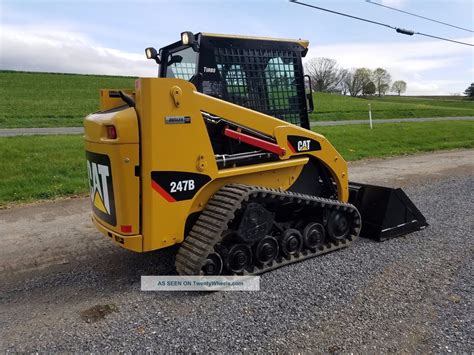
point(55, 50)
point(409, 57)
point(407, 61)
point(435, 87)
point(67, 51)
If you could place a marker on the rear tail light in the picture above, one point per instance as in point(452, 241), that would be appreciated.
point(126, 228)
point(111, 132)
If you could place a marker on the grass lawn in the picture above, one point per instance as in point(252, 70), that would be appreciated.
point(55, 100)
point(41, 167)
point(45, 167)
point(332, 107)
point(52, 100)
point(389, 139)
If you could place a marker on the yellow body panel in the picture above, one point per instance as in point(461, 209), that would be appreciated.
point(130, 242)
point(280, 175)
point(123, 153)
point(125, 121)
point(186, 148)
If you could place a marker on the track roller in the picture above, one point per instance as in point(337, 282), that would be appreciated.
point(213, 265)
point(291, 242)
point(238, 258)
point(266, 250)
point(313, 235)
point(338, 225)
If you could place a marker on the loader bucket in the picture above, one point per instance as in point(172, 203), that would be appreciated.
point(386, 212)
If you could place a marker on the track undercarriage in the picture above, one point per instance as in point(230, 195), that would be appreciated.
point(249, 230)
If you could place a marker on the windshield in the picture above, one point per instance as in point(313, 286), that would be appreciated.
point(184, 69)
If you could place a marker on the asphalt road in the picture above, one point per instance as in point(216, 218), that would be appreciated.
point(49, 131)
point(63, 287)
point(388, 120)
point(12, 132)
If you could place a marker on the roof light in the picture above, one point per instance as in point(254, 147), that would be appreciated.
point(151, 53)
point(187, 38)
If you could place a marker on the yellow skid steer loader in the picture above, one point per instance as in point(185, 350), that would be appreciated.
point(216, 154)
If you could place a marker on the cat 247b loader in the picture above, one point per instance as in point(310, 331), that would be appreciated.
point(216, 154)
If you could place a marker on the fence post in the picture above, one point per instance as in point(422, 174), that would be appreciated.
point(370, 116)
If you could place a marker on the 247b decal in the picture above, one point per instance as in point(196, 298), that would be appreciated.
point(177, 185)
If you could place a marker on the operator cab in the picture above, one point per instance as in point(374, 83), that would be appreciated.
point(262, 74)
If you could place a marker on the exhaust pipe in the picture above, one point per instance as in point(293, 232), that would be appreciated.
point(386, 213)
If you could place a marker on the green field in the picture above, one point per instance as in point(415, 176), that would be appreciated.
point(46, 167)
point(332, 107)
point(41, 167)
point(54, 100)
point(390, 139)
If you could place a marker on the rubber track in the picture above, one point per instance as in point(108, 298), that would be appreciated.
point(220, 211)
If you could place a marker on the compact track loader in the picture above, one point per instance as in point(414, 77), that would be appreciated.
point(216, 154)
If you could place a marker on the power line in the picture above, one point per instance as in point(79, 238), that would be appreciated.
point(342, 14)
point(423, 17)
point(398, 29)
point(444, 39)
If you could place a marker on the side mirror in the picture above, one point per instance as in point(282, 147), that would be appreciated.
point(308, 88)
point(174, 59)
point(151, 53)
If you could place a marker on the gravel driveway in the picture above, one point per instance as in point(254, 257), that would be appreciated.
point(63, 287)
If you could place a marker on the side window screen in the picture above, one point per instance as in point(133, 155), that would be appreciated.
point(265, 80)
point(281, 88)
point(184, 69)
point(235, 83)
point(235, 79)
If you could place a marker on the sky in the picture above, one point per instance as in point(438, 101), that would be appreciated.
point(109, 36)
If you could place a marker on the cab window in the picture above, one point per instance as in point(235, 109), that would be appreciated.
point(186, 67)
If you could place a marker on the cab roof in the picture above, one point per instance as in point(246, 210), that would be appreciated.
point(302, 42)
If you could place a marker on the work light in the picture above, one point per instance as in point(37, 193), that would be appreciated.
point(151, 53)
point(187, 38)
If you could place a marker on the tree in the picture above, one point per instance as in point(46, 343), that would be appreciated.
point(399, 87)
point(369, 89)
point(356, 80)
point(349, 83)
point(470, 91)
point(382, 80)
point(325, 74)
point(344, 73)
point(363, 76)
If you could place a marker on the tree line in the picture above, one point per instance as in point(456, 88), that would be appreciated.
point(469, 92)
point(327, 76)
